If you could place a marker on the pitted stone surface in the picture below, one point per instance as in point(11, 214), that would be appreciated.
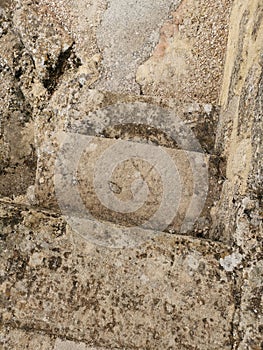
point(71, 345)
point(176, 50)
point(81, 20)
point(17, 150)
point(168, 293)
point(188, 61)
point(172, 292)
point(239, 215)
point(19, 339)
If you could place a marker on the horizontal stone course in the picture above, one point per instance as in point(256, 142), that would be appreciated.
point(170, 292)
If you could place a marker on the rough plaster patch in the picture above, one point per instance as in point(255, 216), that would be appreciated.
point(134, 33)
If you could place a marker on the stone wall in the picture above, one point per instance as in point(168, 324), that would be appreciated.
point(238, 219)
point(181, 77)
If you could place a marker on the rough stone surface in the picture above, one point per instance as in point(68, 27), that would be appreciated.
point(188, 61)
point(190, 175)
point(81, 19)
point(17, 146)
point(239, 216)
point(168, 292)
point(62, 64)
point(134, 33)
point(18, 339)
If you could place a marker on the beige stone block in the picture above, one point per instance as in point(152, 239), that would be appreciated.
point(131, 184)
point(170, 292)
point(170, 153)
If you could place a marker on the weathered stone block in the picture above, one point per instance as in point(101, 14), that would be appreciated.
point(166, 151)
point(168, 293)
point(18, 339)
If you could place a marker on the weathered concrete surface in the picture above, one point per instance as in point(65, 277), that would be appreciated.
point(171, 292)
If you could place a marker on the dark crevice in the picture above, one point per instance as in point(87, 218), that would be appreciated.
point(63, 64)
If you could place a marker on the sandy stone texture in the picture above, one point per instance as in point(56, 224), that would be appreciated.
point(167, 48)
point(188, 62)
point(170, 292)
point(18, 339)
point(203, 181)
point(239, 215)
point(63, 62)
point(17, 148)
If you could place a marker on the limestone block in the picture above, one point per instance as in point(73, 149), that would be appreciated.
point(239, 136)
point(145, 129)
point(239, 216)
point(250, 323)
point(170, 292)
